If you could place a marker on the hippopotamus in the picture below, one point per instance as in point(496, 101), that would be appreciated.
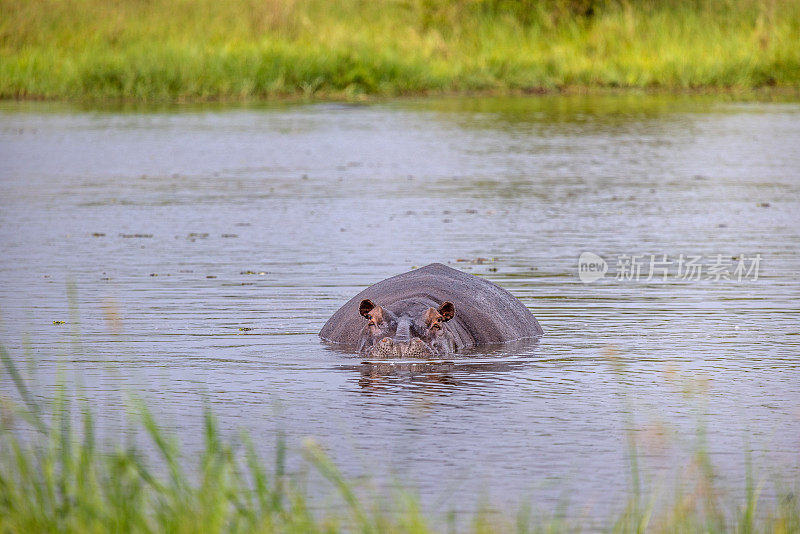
point(430, 312)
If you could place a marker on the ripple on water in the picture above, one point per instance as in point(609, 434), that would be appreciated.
point(325, 200)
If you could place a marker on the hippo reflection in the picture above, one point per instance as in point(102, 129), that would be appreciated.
point(430, 312)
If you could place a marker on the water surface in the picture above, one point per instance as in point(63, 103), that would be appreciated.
point(207, 247)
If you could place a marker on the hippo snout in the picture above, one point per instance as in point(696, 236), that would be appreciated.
point(416, 348)
point(389, 348)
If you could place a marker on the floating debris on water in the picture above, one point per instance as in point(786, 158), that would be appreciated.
point(59, 322)
point(194, 236)
point(476, 261)
point(210, 276)
point(230, 235)
point(98, 234)
point(138, 236)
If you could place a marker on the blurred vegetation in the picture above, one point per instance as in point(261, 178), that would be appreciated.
point(56, 475)
point(173, 50)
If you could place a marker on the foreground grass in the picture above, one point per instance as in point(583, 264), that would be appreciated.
point(56, 478)
point(253, 49)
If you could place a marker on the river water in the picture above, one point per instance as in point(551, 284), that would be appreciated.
point(194, 253)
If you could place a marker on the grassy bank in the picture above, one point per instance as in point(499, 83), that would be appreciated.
point(253, 49)
point(56, 477)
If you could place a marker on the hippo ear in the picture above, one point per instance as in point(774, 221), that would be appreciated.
point(447, 310)
point(365, 307)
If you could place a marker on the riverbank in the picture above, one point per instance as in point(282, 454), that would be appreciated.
point(254, 50)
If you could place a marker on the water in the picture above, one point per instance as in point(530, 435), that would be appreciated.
point(179, 229)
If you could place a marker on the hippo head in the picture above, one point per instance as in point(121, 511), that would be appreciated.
point(406, 332)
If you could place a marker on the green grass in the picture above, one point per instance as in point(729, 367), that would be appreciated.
point(178, 50)
point(55, 477)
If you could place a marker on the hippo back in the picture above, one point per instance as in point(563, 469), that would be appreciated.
point(485, 312)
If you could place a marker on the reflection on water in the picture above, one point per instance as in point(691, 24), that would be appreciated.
point(209, 245)
point(443, 376)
